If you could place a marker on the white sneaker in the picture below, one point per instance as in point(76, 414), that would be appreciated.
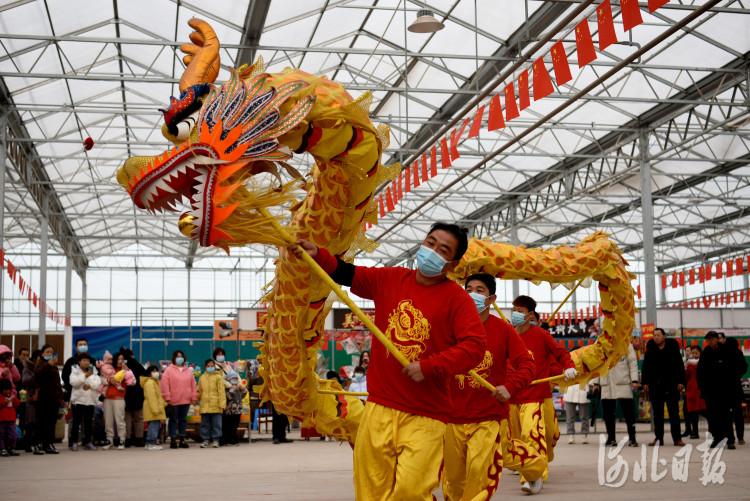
point(515, 472)
point(536, 485)
point(105, 447)
point(215, 445)
point(585, 439)
point(121, 447)
point(571, 439)
point(205, 445)
point(526, 487)
point(154, 447)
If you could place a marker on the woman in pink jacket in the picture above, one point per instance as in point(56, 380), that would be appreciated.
point(178, 390)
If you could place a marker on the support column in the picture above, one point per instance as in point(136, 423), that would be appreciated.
point(42, 340)
point(514, 241)
point(189, 269)
point(3, 156)
point(647, 212)
point(68, 336)
point(83, 297)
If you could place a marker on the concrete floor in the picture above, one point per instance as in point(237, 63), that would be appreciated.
point(317, 470)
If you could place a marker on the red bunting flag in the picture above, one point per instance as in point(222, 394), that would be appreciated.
point(477, 123)
point(674, 280)
point(382, 206)
point(716, 301)
point(719, 273)
point(389, 199)
point(701, 275)
point(425, 174)
point(730, 268)
point(415, 172)
point(407, 180)
point(709, 271)
point(606, 25)
point(735, 296)
point(655, 4)
point(631, 14)
point(706, 302)
point(663, 281)
point(738, 266)
point(692, 277)
point(454, 146)
point(542, 85)
point(584, 44)
point(511, 108)
point(523, 90)
point(639, 291)
point(495, 120)
point(400, 192)
point(560, 64)
point(433, 161)
point(445, 157)
point(682, 279)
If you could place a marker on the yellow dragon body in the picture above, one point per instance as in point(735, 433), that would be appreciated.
point(227, 136)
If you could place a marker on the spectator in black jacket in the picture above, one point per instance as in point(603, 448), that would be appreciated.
point(663, 378)
point(716, 375)
point(134, 401)
point(23, 354)
point(738, 396)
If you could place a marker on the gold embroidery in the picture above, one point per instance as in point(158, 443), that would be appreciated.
point(483, 369)
point(408, 329)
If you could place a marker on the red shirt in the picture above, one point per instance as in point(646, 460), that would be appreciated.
point(436, 324)
point(8, 413)
point(472, 403)
point(546, 351)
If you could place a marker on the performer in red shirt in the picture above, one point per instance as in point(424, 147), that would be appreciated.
point(474, 449)
point(398, 453)
point(527, 409)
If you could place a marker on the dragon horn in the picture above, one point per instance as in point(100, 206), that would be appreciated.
point(202, 55)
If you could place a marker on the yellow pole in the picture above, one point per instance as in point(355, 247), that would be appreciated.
point(551, 317)
point(347, 300)
point(339, 392)
point(497, 309)
point(548, 379)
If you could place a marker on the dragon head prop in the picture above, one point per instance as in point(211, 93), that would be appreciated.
point(223, 137)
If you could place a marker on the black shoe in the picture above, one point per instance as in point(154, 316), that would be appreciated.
point(13, 452)
point(276, 441)
point(610, 443)
point(183, 443)
point(286, 440)
point(687, 434)
point(4, 453)
point(695, 437)
point(632, 443)
point(173, 443)
point(731, 446)
point(51, 450)
point(38, 451)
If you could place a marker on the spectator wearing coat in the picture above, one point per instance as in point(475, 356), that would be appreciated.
point(663, 378)
point(84, 396)
point(8, 370)
point(134, 401)
point(30, 435)
point(576, 397)
point(618, 386)
point(694, 404)
point(740, 367)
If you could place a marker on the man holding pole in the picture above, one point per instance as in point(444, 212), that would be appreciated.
point(477, 438)
point(527, 409)
point(436, 330)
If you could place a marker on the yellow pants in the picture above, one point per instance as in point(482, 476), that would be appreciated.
point(397, 455)
point(551, 428)
point(527, 424)
point(473, 461)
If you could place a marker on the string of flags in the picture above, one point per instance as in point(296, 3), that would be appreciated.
point(28, 293)
point(445, 150)
point(717, 300)
point(713, 271)
point(574, 316)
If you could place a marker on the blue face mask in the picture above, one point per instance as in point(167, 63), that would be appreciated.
point(359, 377)
point(479, 301)
point(84, 348)
point(179, 360)
point(429, 262)
point(210, 369)
point(517, 318)
point(47, 357)
point(220, 358)
point(234, 383)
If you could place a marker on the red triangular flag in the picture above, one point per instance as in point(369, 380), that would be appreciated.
point(407, 180)
point(706, 302)
point(560, 64)
point(495, 120)
point(523, 90)
point(389, 199)
point(415, 172)
point(382, 207)
point(433, 161)
point(445, 157)
point(542, 85)
point(631, 14)
point(425, 173)
point(584, 44)
point(477, 123)
point(606, 25)
point(511, 108)
point(655, 4)
point(454, 144)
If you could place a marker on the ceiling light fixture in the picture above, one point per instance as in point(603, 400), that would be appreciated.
point(425, 22)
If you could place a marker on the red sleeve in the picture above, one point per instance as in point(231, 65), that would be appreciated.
point(558, 352)
point(519, 357)
point(365, 281)
point(468, 352)
point(16, 402)
point(326, 260)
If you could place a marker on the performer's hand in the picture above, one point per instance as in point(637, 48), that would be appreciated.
point(680, 388)
point(303, 245)
point(501, 394)
point(570, 374)
point(645, 388)
point(635, 386)
point(414, 372)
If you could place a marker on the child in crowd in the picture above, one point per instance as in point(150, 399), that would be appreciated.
point(213, 400)
point(84, 396)
point(233, 412)
point(8, 432)
point(153, 407)
point(8, 370)
point(359, 383)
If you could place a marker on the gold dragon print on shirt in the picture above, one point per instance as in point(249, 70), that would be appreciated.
point(408, 329)
point(483, 369)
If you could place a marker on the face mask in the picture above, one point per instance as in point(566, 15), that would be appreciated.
point(359, 377)
point(429, 262)
point(479, 301)
point(155, 375)
point(210, 369)
point(47, 357)
point(234, 383)
point(83, 348)
point(517, 318)
point(220, 358)
point(179, 360)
